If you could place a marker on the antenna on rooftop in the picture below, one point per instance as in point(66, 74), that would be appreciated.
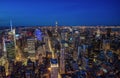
point(56, 26)
point(11, 25)
point(56, 23)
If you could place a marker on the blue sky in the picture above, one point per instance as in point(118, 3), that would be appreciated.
point(66, 12)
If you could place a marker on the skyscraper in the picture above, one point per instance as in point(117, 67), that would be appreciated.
point(56, 26)
point(54, 68)
point(62, 61)
point(11, 25)
point(4, 48)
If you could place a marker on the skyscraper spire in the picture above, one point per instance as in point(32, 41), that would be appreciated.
point(56, 23)
point(56, 26)
point(11, 25)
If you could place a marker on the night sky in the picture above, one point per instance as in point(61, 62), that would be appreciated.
point(66, 12)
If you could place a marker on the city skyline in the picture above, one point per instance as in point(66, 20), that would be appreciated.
point(66, 12)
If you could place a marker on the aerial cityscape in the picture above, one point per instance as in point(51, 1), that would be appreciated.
point(60, 52)
point(60, 39)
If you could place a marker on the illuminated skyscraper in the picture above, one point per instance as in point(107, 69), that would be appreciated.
point(98, 33)
point(38, 34)
point(11, 25)
point(54, 68)
point(46, 47)
point(56, 26)
point(31, 47)
point(14, 36)
point(62, 61)
point(4, 48)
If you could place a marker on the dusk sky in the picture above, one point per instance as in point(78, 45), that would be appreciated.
point(66, 12)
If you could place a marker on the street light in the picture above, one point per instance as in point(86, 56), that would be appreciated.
point(49, 68)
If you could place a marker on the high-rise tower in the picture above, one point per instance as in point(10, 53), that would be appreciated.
point(98, 33)
point(56, 26)
point(11, 25)
point(62, 61)
point(4, 48)
point(54, 68)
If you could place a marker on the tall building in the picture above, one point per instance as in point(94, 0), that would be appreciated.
point(56, 26)
point(46, 47)
point(38, 34)
point(11, 28)
point(10, 47)
point(4, 48)
point(54, 68)
point(62, 61)
point(31, 47)
point(98, 33)
point(108, 32)
point(79, 55)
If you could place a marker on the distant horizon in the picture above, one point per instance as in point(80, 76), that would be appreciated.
point(55, 25)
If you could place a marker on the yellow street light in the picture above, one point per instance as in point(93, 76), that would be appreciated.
point(49, 68)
